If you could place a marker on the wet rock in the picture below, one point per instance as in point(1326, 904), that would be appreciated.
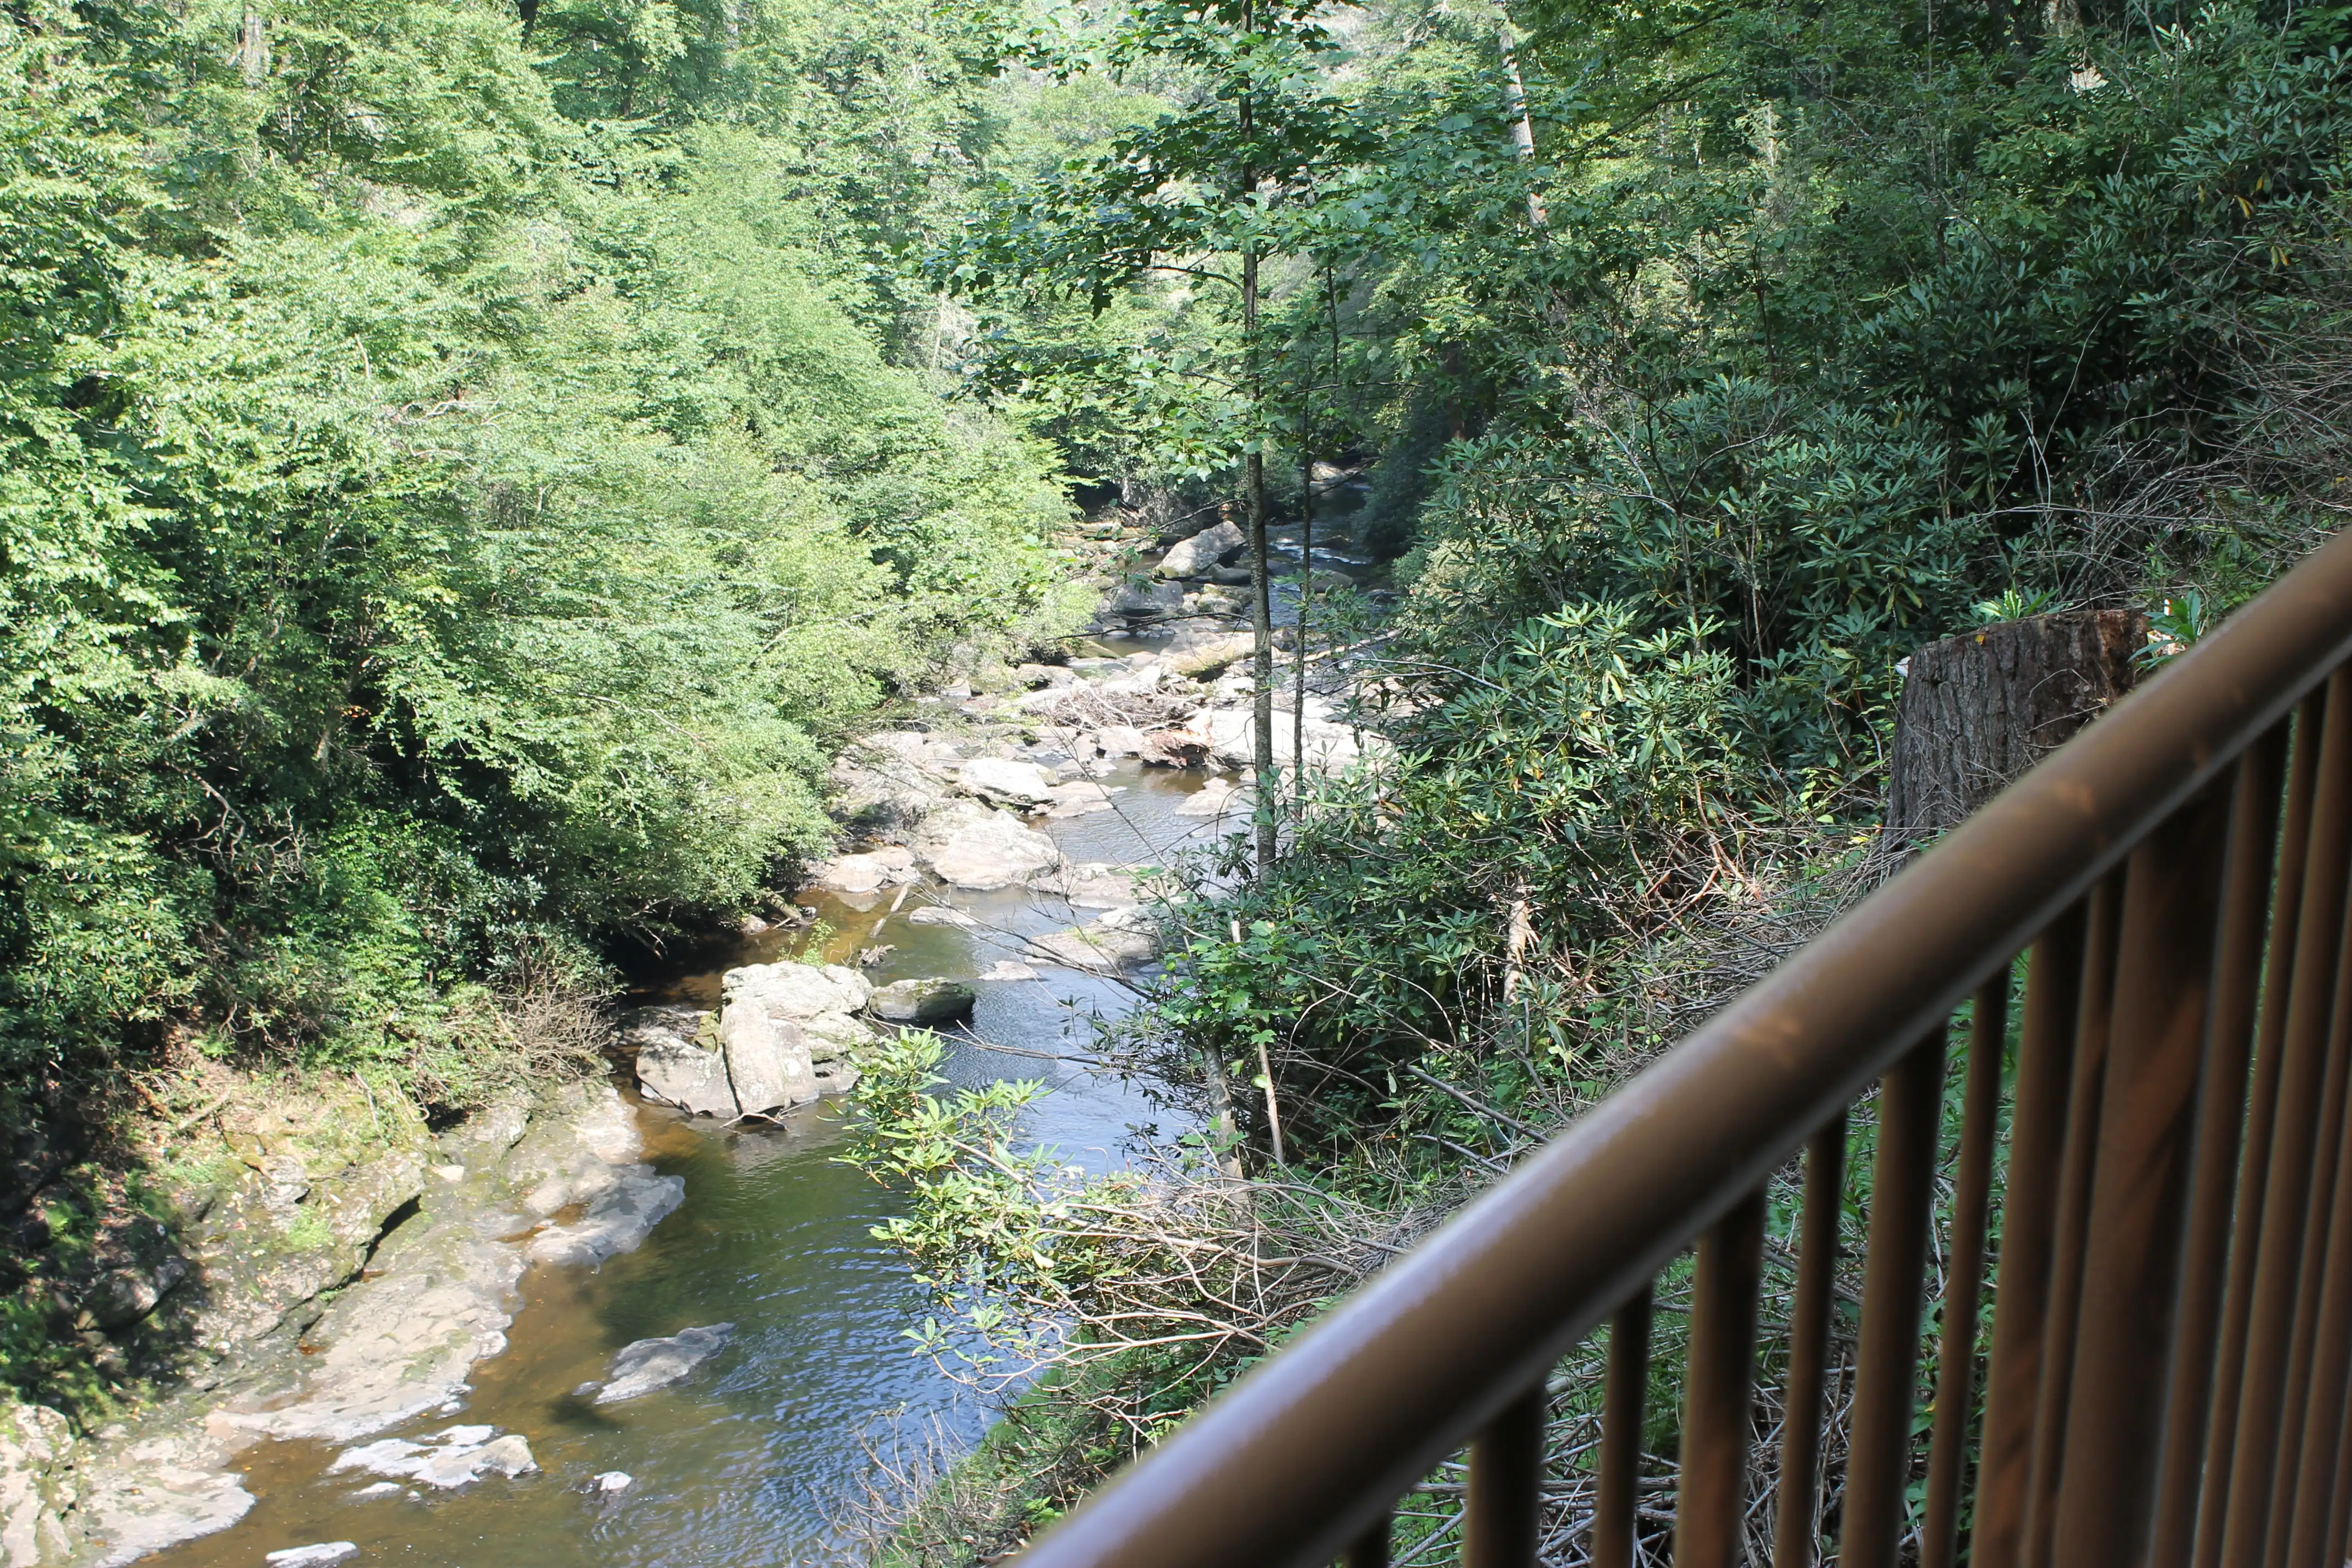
point(619, 1219)
point(606, 1483)
point(866, 872)
point(374, 1489)
point(1149, 601)
point(648, 1364)
point(1080, 798)
point(1231, 576)
point(1215, 799)
point(984, 850)
point(157, 1493)
point(1005, 969)
point(1095, 885)
point(926, 1003)
point(688, 1076)
point(833, 1077)
point(940, 915)
point(767, 1057)
point(317, 1556)
point(834, 1034)
point(1210, 547)
point(1118, 741)
point(1196, 652)
point(999, 781)
point(1120, 937)
point(1173, 749)
point(447, 1461)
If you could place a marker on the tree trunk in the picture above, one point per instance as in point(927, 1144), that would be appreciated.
point(1514, 100)
point(1980, 708)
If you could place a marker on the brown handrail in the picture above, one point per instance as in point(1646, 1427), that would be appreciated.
point(2136, 861)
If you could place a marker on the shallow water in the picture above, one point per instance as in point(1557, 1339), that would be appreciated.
point(759, 1456)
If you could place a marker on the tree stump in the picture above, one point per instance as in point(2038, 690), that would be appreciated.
point(1980, 708)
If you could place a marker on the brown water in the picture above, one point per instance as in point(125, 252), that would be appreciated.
point(758, 1457)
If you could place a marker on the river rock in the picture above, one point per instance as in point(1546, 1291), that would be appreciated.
point(926, 1003)
point(688, 1076)
point(619, 1219)
point(1118, 741)
point(1005, 969)
point(447, 1461)
point(1176, 748)
point(767, 1057)
point(139, 1263)
point(1120, 937)
point(1149, 601)
point(832, 1036)
point(320, 1555)
point(833, 1077)
point(999, 782)
point(796, 993)
point(648, 1364)
point(866, 872)
point(1215, 799)
point(1081, 797)
point(1209, 548)
point(984, 850)
point(607, 1482)
point(1095, 885)
point(1198, 652)
point(940, 915)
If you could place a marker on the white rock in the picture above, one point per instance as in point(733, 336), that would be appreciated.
point(866, 872)
point(374, 1489)
point(1120, 937)
point(798, 992)
point(1120, 741)
point(939, 915)
point(986, 851)
point(617, 1220)
point(1215, 799)
point(693, 1080)
point(465, 1436)
point(316, 1556)
point(1208, 548)
point(767, 1058)
point(610, 1482)
point(1001, 782)
point(1005, 969)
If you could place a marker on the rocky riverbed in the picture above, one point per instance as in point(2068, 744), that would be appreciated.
point(1005, 845)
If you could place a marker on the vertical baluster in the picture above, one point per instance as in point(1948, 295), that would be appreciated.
point(1710, 1511)
point(1793, 1543)
point(1371, 1548)
point(2331, 1357)
point(1903, 1179)
point(2261, 1120)
point(2253, 1461)
point(2070, 1220)
point(2045, 1055)
point(1621, 1415)
point(2310, 1321)
point(1955, 1365)
point(2245, 909)
point(2139, 1200)
point(1504, 1514)
point(2339, 1508)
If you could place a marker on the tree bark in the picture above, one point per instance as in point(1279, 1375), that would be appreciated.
point(1980, 708)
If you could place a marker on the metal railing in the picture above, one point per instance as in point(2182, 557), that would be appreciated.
point(2170, 1280)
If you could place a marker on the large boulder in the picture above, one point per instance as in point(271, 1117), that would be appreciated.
point(767, 1058)
point(1209, 548)
point(1149, 601)
point(984, 851)
point(798, 992)
point(688, 1076)
point(1001, 782)
point(926, 1003)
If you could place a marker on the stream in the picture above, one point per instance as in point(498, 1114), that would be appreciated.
point(756, 1457)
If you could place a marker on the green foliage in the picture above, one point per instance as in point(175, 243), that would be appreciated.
point(439, 530)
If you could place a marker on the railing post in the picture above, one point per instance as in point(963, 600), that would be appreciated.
point(2139, 1198)
point(1623, 1405)
point(1793, 1542)
point(1910, 1106)
point(1710, 1510)
point(1505, 1508)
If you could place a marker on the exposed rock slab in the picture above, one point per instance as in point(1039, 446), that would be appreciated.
point(984, 850)
point(1119, 938)
point(926, 1003)
point(456, 1458)
point(1209, 548)
point(1001, 782)
point(688, 1076)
